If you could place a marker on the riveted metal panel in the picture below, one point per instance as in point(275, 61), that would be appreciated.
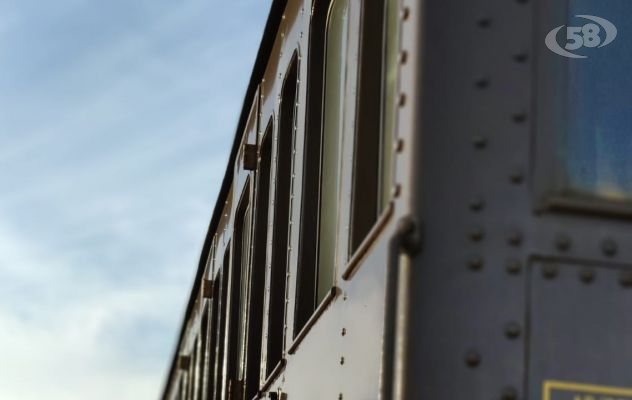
point(468, 296)
point(581, 319)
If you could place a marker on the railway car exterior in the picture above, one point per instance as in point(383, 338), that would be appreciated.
point(424, 200)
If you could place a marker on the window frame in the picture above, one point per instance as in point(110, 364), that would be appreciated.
point(277, 282)
point(552, 73)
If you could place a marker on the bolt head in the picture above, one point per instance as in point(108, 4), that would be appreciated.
point(609, 247)
point(587, 275)
point(513, 267)
point(477, 234)
point(626, 279)
point(477, 204)
point(549, 271)
point(515, 238)
point(563, 242)
point(513, 330)
point(476, 263)
point(479, 142)
point(472, 358)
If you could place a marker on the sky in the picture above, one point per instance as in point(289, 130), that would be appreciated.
point(116, 119)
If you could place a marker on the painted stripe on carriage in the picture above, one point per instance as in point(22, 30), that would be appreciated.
point(564, 390)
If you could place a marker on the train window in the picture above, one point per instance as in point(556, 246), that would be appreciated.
point(333, 111)
point(377, 84)
point(257, 274)
point(214, 322)
point(203, 360)
point(282, 204)
point(308, 242)
point(221, 327)
point(391, 52)
point(238, 288)
point(598, 143)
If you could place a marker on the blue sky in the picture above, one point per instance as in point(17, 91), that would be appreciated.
point(116, 119)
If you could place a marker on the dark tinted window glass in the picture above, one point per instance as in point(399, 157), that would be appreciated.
point(257, 277)
point(282, 203)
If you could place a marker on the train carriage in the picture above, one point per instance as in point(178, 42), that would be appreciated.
point(422, 201)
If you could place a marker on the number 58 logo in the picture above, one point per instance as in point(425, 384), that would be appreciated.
point(584, 36)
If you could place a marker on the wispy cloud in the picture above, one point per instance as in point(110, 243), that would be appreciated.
point(115, 122)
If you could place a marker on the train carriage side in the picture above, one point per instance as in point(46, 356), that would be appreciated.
point(289, 297)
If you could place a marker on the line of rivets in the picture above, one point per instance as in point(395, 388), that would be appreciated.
point(609, 247)
point(472, 358)
point(513, 267)
point(587, 275)
point(549, 271)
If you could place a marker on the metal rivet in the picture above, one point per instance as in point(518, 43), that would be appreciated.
point(405, 13)
point(402, 100)
point(563, 242)
point(513, 267)
point(509, 393)
point(609, 247)
point(340, 396)
point(516, 176)
point(521, 57)
point(479, 142)
point(476, 263)
point(477, 234)
point(482, 83)
point(403, 57)
point(342, 360)
point(477, 204)
point(515, 238)
point(549, 271)
point(484, 22)
point(472, 358)
point(343, 332)
point(512, 330)
point(626, 279)
point(519, 117)
point(399, 145)
point(397, 190)
point(587, 275)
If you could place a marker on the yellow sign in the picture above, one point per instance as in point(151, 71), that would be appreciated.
point(559, 390)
